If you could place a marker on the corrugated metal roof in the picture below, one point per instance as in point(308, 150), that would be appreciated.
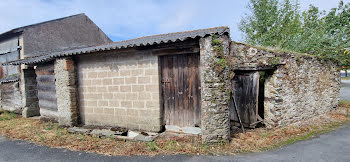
point(10, 79)
point(143, 41)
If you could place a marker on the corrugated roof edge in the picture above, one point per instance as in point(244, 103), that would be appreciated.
point(142, 41)
point(9, 80)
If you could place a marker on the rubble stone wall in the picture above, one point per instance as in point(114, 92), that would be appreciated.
point(300, 86)
point(30, 102)
point(66, 92)
point(215, 83)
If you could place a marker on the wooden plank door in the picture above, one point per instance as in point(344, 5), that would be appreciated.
point(245, 92)
point(181, 89)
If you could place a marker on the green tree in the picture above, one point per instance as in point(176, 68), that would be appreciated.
point(260, 28)
point(271, 23)
point(283, 25)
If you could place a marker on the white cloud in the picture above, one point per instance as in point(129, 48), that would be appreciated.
point(133, 18)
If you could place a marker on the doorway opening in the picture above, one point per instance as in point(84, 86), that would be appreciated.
point(247, 100)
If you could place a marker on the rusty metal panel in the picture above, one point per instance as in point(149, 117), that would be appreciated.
point(9, 45)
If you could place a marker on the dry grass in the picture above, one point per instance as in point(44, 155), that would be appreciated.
point(44, 133)
point(345, 78)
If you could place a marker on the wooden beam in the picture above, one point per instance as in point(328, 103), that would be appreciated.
point(174, 51)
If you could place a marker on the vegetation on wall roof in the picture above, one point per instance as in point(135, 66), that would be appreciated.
point(282, 25)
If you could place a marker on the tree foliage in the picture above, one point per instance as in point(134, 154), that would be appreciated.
point(282, 24)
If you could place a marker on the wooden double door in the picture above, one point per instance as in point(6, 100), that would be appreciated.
point(181, 92)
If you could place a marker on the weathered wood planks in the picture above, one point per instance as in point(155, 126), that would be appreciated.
point(181, 89)
point(245, 90)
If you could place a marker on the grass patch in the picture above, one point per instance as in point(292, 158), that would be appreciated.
point(50, 134)
point(345, 78)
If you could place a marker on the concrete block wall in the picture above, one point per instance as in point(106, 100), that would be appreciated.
point(120, 89)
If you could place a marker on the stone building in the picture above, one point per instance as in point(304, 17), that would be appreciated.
point(66, 33)
point(195, 79)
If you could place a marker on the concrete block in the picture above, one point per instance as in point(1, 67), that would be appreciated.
point(143, 80)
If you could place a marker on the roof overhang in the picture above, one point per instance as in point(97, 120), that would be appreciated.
point(138, 42)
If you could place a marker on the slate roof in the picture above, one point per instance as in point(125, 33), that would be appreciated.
point(143, 41)
point(21, 29)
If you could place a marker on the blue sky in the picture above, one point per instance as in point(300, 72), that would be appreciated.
point(128, 19)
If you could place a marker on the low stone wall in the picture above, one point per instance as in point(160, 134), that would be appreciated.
point(300, 89)
point(300, 86)
point(120, 89)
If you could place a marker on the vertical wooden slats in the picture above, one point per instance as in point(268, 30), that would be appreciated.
point(181, 89)
point(172, 89)
point(192, 85)
point(186, 73)
point(165, 88)
point(245, 90)
point(197, 99)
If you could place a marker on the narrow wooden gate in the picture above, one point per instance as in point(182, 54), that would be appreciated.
point(181, 89)
point(245, 91)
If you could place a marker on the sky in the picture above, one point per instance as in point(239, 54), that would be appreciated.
point(127, 19)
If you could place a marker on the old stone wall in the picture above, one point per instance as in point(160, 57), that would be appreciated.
point(299, 86)
point(120, 89)
point(30, 101)
point(66, 91)
point(215, 84)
